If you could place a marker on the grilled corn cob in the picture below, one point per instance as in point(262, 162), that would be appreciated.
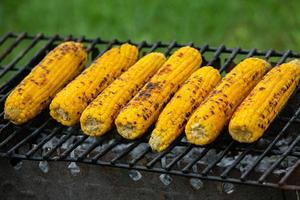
point(214, 113)
point(35, 92)
point(70, 102)
point(144, 108)
point(259, 109)
point(172, 120)
point(99, 116)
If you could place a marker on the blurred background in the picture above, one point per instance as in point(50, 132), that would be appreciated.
point(262, 24)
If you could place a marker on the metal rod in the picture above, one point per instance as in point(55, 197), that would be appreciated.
point(279, 160)
point(12, 46)
point(5, 37)
point(247, 172)
point(20, 55)
point(230, 59)
point(216, 54)
point(33, 134)
point(181, 155)
point(219, 158)
point(44, 141)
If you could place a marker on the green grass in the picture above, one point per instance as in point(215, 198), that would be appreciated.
point(267, 24)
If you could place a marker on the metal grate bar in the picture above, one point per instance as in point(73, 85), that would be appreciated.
point(60, 142)
point(160, 155)
point(230, 59)
point(11, 136)
point(30, 63)
point(33, 134)
point(104, 151)
point(12, 46)
point(216, 55)
point(5, 126)
point(220, 157)
point(20, 55)
point(283, 156)
point(92, 147)
point(201, 155)
point(169, 48)
point(289, 173)
point(126, 151)
point(283, 130)
point(284, 57)
point(138, 158)
point(73, 146)
point(5, 37)
point(181, 155)
point(92, 45)
point(235, 163)
point(269, 54)
point(251, 53)
point(44, 141)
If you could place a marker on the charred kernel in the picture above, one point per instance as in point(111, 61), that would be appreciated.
point(180, 55)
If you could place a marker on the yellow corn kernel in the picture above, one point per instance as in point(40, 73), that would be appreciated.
point(174, 116)
point(70, 102)
point(35, 92)
point(99, 116)
point(259, 109)
point(213, 114)
point(135, 118)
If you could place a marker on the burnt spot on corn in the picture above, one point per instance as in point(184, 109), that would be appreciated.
point(187, 114)
point(180, 54)
point(165, 70)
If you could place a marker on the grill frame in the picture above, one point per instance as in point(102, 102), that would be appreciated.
point(13, 138)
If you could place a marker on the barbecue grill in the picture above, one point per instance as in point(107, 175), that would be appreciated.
point(273, 161)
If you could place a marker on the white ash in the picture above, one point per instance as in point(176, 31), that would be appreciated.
point(87, 143)
point(18, 166)
point(193, 154)
point(44, 166)
point(49, 145)
point(196, 183)
point(227, 188)
point(73, 169)
point(226, 161)
point(135, 175)
point(166, 179)
point(246, 162)
point(283, 144)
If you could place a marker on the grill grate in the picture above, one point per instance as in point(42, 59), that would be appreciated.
point(273, 161)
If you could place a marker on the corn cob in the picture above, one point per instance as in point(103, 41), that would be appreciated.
point(99, 116)
point(69, 103)
point(136, 117)
point(172, 120)
point(35, 92)
point(259, 109)
point(213, 114)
